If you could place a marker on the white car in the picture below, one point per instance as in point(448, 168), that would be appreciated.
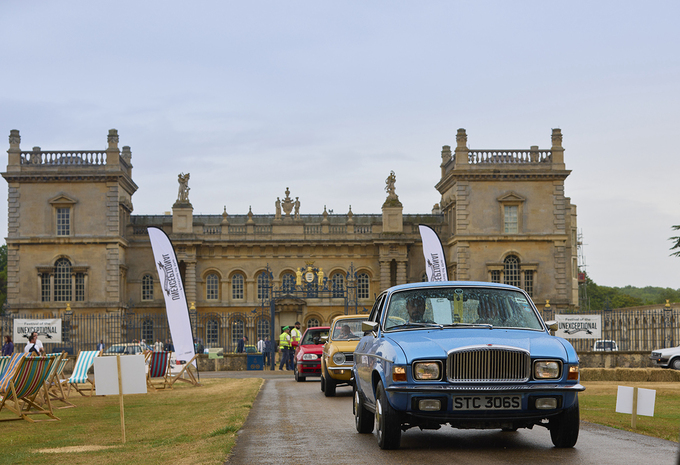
point(603, 345)
point(667, 358)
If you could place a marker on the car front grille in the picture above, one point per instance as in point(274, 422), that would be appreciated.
point(349, 357)
point(488, 364)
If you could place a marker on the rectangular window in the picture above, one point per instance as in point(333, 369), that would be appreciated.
point(45, 287)
point(237, 287)
point(63, 221)
point(80, 287)
point(529, 282)
point(510, 219)
point(495, 276)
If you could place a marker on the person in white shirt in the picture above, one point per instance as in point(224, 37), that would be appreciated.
point(34, 345)
point(260, 346)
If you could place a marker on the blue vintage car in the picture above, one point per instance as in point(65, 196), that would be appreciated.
point(470, 354)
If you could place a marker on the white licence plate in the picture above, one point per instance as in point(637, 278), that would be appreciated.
point(487, 402)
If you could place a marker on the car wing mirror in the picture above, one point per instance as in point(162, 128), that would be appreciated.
point(552, 325)
point(369, 326)
point(323, 339)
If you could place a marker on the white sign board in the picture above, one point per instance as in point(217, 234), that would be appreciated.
point(132, 372)
point(579, 326)
point(49, 331)
point(645, 401)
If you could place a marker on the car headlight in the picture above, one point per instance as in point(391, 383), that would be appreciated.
point(426, 371)
point(339, 358)
point(546, 369)
point(310, 357)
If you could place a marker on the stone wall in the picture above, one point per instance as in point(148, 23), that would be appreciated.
point(615, 360)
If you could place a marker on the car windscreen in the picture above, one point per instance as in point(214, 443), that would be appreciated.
point(460, 306)
point(347, 330)
point(313, 336)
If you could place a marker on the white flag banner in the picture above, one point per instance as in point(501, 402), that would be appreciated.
point(173, 292)
point(435, 260)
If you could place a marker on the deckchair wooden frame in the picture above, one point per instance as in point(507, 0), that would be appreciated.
point(79, 379)
point(24, 386)
point(55, 383)
point(158, 374)
point(191, 378)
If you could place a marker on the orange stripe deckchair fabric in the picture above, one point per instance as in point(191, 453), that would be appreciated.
point(25, 385)
point(10, 368)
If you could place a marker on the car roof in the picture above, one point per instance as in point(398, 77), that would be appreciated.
point(430, 284)
point(363, 316)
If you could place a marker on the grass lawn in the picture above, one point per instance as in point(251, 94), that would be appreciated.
point(598, 405)
point(184, 425)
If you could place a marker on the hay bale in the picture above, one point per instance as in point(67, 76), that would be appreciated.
point(640, 375)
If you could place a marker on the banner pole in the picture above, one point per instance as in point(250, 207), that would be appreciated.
point(633, 418)
point(120, 398)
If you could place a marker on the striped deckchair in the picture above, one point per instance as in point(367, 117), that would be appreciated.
point(55, 381)
point(186, 374)
point(27, 381)
point(79, 379)
point(4, 360)
point(9, 369)
point(158, 375)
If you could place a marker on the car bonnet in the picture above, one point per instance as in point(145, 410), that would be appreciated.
point(438, 343)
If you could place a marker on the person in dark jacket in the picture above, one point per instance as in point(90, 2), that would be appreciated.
point(8, 346)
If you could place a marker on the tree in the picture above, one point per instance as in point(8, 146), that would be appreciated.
point(676, 239)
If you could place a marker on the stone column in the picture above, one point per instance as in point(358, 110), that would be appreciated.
point(401, 272)
point(557, 150)
point(14, 152)
point(112, 152)
point(461, 150)
point(384, 274)
point(190, 284)
point(446, 157)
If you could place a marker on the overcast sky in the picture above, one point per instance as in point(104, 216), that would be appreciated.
point(326, 97)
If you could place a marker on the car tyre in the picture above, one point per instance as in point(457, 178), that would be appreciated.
point(675, 364)
point(329, 385)
point(363, 419)
point(387, 424)
point(298, 377)
point(323, 383)
point(564, 427)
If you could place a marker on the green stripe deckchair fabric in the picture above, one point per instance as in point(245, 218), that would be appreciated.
point(79, 376)
point(24, 386)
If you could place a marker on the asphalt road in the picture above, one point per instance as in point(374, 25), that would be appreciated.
point(294, 423)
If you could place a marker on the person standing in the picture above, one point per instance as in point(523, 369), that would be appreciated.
point(241, 346)
point(260, 346)
point(158, 346)
point(34, 345)
point(100, 346)
point(295, 337)
point(8, 346)
point(267, 351)
point(285, 347)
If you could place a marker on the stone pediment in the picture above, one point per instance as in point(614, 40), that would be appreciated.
point(511, 197)
point(62, 199)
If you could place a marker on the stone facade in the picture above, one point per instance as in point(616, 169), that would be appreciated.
point(72, 238)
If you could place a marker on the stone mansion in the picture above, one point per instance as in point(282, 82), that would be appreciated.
point(74, 244)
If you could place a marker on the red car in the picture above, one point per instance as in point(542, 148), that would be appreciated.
point(308, 353)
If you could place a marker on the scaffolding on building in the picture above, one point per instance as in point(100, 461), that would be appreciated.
point(583, 301)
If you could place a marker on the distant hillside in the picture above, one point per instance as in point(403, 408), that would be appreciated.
point(629, 296)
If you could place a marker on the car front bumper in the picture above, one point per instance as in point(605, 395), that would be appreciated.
point(306, 368)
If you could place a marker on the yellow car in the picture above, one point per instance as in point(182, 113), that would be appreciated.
point(338, 352)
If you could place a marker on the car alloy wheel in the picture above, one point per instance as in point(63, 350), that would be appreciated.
point(387, 423)
point(363, 419)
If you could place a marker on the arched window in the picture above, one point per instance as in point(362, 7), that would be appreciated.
point(288, 282)
point(62, 280)
point(511, 271)
point(263, 286)
point(312, 323)
point(212, 331)
point(212, 287)
point(262, 329)
point(237, 286)
point(147, 330)
point(147, 287)
point(363, 288)
point(237, 327)
point(338, 284)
